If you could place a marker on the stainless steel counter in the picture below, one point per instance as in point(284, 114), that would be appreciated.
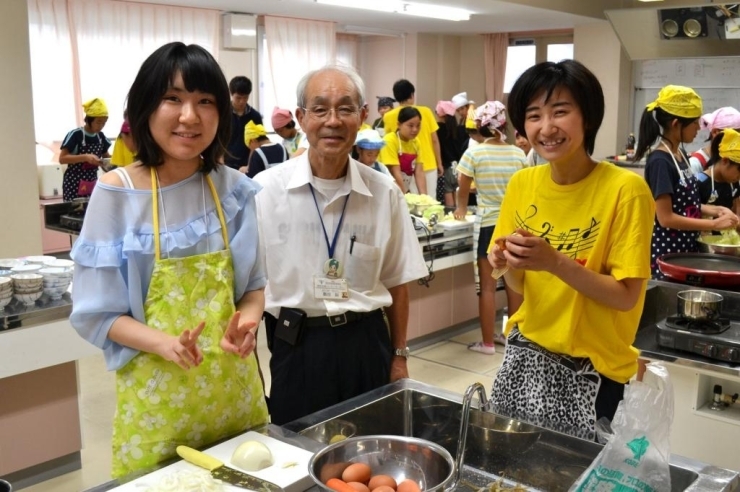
point(553, 463)
point(45, 310)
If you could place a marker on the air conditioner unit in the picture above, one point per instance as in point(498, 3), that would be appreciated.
point(239, 31)
point(523, 42)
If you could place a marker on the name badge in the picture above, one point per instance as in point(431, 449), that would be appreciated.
point(334, 289)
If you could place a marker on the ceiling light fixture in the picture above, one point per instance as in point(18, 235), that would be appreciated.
point(401, 7)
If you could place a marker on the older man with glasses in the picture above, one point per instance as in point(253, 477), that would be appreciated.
point(340, 249)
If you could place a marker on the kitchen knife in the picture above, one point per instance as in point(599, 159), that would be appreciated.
point(222, 472)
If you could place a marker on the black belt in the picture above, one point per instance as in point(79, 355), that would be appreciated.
point(337, 319)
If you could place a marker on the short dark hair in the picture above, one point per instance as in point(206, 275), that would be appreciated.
point(406, 113)
point(403, 90)
point(199, 71)
point(290, 125)
point(567, 74)
point(240, 85)
point(89, 120)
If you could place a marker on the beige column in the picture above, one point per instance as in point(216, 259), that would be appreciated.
point(19, 200)
point(597, 46)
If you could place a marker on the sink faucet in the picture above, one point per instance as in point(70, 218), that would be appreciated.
point(464, 420)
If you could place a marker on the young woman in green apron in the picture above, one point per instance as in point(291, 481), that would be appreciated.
point(168, 279)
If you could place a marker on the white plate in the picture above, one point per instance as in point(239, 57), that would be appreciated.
point(60, 263)
point(39, 259)
point(35, 267)
point(10, 263)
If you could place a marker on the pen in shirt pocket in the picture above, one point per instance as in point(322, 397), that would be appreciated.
point(352, 240)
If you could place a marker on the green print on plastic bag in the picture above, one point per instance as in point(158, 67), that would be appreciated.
point(638, 447)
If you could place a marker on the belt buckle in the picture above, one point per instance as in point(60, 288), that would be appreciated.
point(338, 320)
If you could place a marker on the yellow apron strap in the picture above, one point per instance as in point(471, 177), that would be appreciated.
point(220, 211)
point(155, 215)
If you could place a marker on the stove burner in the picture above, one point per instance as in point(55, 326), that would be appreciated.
point(708, 327)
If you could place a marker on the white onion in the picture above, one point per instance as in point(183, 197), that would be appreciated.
point(252, 456)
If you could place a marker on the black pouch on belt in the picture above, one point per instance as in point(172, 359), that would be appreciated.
point(289, 326)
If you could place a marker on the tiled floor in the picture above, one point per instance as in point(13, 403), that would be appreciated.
point(448, 364)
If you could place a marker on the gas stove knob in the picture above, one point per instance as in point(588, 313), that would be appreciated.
point(734, 355)
point(713, 351)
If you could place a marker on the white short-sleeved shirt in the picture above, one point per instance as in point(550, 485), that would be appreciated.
point(386, 251)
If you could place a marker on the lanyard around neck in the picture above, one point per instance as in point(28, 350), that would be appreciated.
point(330, 246)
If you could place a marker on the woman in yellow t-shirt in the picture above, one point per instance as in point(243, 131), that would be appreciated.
point(575, 236)
point(401, 152)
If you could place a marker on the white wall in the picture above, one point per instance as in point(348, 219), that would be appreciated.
point(19, 196)
point(439, 66)
point(608, 61)
point(235, 62)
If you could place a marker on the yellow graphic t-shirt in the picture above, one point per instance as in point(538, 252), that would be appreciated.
point(605, 223)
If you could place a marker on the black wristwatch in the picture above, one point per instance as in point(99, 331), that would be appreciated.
point(404, 352)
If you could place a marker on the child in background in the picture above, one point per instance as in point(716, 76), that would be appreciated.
point(671, 120)
point(263, 153)
point(451, 142)
point(714, 122)
point(123, 147)
point(491, 164)
point(718, 185)
point(385, 104)
point(367, 147)
point(401, 152)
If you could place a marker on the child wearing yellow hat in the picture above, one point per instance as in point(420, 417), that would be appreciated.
point(82, 151)
point(263, 153)
point(672, 120)
point(718, 184)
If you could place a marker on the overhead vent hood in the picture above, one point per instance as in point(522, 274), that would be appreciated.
point(683, 32)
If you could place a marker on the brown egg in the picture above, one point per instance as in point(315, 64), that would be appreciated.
point(359, 487)
point(332, 470)
point(357, 472)
point(382, 480)
point(384, 488)
point(408, 486)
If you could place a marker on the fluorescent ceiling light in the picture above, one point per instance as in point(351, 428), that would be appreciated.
point(402, 7)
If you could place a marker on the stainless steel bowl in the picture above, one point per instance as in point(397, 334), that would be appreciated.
point(692, 28)
point(402, 458)
point(330, 431)
point(707, 245)
point(492, 434)
point(699, 304)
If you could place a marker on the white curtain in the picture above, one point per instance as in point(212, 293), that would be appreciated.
point(106, 43)
point(53, 70)
point(348, 50)
point(293, 47)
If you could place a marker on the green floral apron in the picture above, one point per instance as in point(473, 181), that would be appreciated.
point(160, 405)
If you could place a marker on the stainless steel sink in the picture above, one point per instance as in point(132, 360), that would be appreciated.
point(551, 463)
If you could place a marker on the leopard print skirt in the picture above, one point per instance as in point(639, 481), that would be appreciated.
point(546, 389)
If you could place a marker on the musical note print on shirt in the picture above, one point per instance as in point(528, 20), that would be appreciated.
point(573, 242)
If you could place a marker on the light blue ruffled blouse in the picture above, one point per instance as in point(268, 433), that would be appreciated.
point(114, 255)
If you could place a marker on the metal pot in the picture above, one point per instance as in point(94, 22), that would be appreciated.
point(699, 304)
point(5, 486)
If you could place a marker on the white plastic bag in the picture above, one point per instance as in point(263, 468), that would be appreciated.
point(636, 457)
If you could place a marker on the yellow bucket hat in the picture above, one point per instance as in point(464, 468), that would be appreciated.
point(95, 108)
point(252, 132)
point(679, 101)
point(729, 147)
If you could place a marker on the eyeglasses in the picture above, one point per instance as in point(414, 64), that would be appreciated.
point(322, 113)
